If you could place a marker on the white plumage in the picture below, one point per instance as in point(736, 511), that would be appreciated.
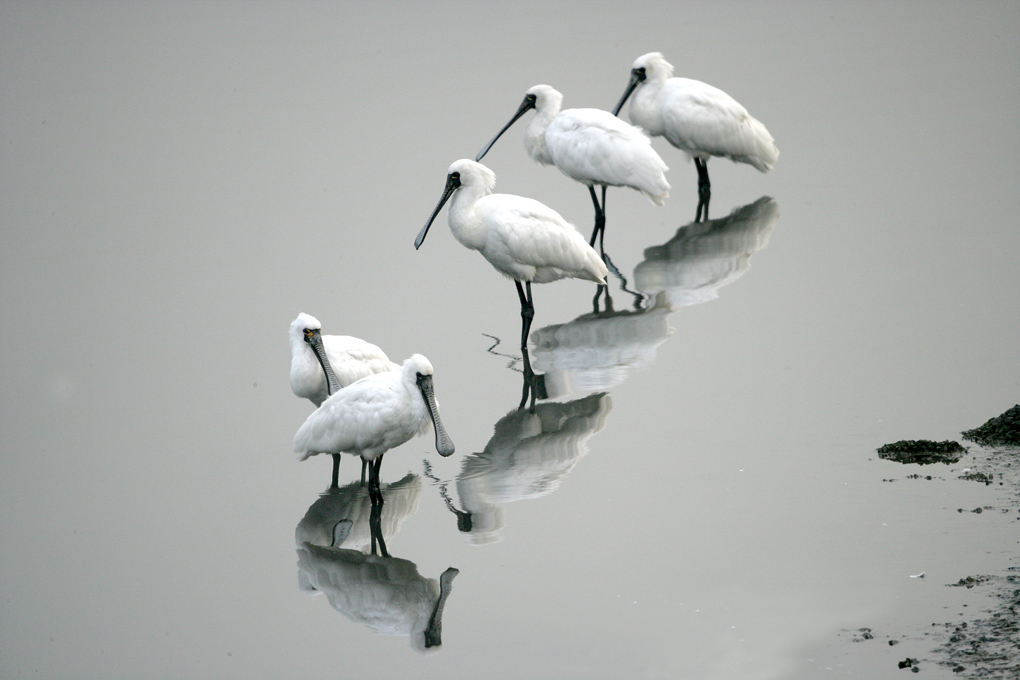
point(375, 414)
point(591, 146)
point(350, 358)
point(695, 117)
point(523, 239)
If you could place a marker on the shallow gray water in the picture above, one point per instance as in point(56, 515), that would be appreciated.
point(180, 180)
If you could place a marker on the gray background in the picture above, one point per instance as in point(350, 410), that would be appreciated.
point(179, 180)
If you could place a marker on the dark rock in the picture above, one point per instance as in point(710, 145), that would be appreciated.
point(922, 451)
point(982, 477)
point(1003, 430)
point(970, 582)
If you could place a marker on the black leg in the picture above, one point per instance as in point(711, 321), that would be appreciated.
point(336, 472)
point(527, 316)
point(527, 311)
point(375, 525)
point(373, 476)
point(704, 186)
point(702, 213)
point(526, 389)
point(530, 387)
point(364, 467)
point(600, 219)
point(599, 289)
point(531, 315)
point(600, 216)
point(602, 231)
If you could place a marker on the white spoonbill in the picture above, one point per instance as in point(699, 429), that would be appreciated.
point(591, 146)
point(322, 364)
point(350, 358)
point(523, 239)
point(696, 118)
point(375, 414)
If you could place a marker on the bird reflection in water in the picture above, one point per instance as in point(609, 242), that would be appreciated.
point(383, 592)
point(596, 351)
point(340, 518)
point(705, 256)
point(528, 456)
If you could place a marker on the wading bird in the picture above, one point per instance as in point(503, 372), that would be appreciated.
point(322, 364)
point(523, 239)
point(696, 118)
point(591, 146)
point(375, 414)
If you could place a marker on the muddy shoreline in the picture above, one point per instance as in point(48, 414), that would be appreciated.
point(986, 646)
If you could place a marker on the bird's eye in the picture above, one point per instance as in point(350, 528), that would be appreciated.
point(532, 98)
point(640, 72)
point(455, 176)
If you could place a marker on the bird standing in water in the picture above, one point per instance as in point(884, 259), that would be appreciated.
point(591, 146)
point(321, 365)
point(521, 238)
point(696, 118)
point(375, 414)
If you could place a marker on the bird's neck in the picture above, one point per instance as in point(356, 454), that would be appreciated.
point(306, 376)
point(643, 106)
point(534, 135)
point(302, 358)
point(464, 221)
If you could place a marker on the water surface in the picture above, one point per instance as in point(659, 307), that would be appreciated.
point(700, 499)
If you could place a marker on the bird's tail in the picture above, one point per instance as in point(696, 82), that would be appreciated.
point(657, 199)
point(764, 152)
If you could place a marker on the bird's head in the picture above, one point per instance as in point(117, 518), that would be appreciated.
point(648, 66)
point(304, 327)
point(651, 66)
point(541, 97)
point(463, 173)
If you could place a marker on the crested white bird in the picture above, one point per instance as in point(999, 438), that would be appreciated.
point(591, 146)
point(322, 364)
point(696, 118)
point(375, 414)
point(523, 239)
point(350, 359)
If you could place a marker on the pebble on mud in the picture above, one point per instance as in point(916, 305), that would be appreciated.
point(912, 664)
